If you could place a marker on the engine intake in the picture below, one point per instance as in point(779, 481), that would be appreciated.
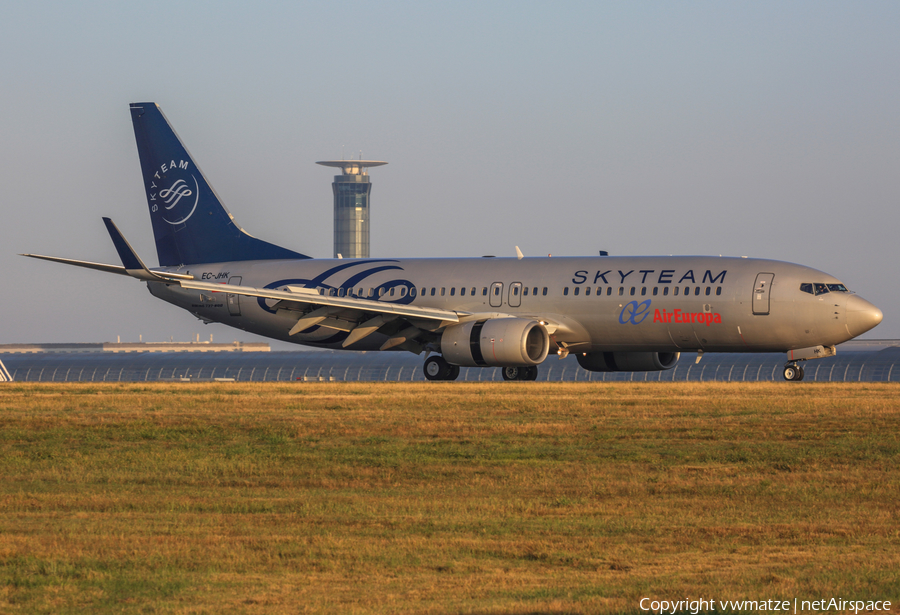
point(496, 342)
point(628, 361)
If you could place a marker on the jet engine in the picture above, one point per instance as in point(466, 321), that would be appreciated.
point(496, 342)
point(628, 361)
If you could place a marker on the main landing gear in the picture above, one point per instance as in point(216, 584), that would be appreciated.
point(520, 373)
point(436, 368)
point(793, 372)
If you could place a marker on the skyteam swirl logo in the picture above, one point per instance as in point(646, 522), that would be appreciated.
point(173, 195)
point(635, 313)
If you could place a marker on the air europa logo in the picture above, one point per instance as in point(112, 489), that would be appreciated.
point(635, 313)
point(704, 318)
point(173, 194)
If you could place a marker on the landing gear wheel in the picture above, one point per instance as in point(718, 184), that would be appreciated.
point(531, 373)
point(511, 373)
point(793, 372)
point(436, 368)
point(454, 373)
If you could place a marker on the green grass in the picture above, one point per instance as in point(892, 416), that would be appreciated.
point(444, 498)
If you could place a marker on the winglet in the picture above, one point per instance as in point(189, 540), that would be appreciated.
point(130, 259)
point(133, 264)
point(519, 254)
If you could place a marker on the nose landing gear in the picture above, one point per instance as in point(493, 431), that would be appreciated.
point(793, 372)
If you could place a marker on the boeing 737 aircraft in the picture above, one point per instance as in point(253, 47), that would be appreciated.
point(613, 313)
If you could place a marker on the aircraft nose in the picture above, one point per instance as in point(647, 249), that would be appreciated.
point(861, 315)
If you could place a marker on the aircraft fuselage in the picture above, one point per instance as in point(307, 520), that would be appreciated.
point(661, 304)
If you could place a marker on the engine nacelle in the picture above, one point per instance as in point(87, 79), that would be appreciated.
point(496, 342)
point(628, 361)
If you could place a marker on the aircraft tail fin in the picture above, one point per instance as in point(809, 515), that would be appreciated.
point(190, 224)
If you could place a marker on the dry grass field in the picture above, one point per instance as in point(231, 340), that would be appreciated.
point(512, 498)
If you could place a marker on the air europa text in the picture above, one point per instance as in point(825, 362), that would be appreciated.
point(678, 316)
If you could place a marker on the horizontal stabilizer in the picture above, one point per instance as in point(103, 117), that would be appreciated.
point(87, 264)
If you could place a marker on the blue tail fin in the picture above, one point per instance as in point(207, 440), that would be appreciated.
point(190, 225)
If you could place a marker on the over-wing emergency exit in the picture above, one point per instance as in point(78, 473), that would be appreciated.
point(612, 313)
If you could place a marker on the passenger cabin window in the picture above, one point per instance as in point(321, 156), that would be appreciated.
point(655, 291)
point(719, 290)
point(608, 291)
point(453, 291)
point(534, 291)
point(462, 291)
point(708, 289)
point(392, 291)
point(443, 291)
point(432, 292)
point(643, 291)
point(525, 292)
point(621, 291)
point(412, 291)
point(696, 291)
point(545, 291)
point(381, 292)
point(632, 291)
point(577, 288)
point(665, 291)
point(566, 291)
point(675, 291)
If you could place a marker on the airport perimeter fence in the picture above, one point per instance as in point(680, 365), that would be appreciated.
point(858, 366)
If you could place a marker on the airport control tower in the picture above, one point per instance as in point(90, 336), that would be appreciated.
point(351, 206)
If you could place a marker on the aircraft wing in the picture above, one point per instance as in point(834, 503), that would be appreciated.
point(310, 296)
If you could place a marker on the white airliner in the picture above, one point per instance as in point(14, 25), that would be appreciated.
point(612, 313)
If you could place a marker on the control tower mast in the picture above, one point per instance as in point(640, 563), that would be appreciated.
point(351, 206)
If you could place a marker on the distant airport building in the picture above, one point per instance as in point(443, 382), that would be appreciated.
point(351, 206)
point(116, 347)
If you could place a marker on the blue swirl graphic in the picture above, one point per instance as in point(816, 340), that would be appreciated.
point(350, 283)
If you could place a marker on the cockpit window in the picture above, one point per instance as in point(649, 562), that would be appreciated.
point(818, 288)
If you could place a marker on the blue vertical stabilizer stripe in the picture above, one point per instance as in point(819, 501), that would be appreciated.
point(190, 224)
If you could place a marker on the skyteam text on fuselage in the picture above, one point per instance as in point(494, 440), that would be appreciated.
point(612, 313)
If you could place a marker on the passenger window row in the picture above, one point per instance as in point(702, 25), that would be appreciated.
point(400, 291)
point(643, 292)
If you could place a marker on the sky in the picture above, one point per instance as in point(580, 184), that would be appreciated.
point(764, 129)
